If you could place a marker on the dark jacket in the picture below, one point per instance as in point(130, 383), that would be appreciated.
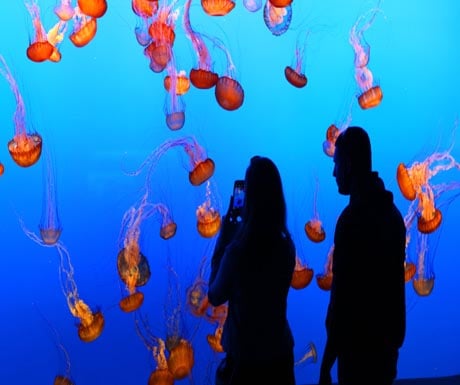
point(254, 277)
point(367, 300)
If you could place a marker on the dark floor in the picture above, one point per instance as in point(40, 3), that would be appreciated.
point(451, 380)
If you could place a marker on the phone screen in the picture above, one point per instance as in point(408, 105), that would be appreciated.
point(238, 194)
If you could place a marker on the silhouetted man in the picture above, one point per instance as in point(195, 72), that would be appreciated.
point(366, 319)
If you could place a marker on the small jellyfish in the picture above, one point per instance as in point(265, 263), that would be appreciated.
point(252, 5)
point(277, 19)
point(208, 217)
point(310, 356)
point(55, 36)
point(324, 280)
point(196, 297)
point(25, 148)
point(296, 74)
point(174, 108)
point(85, 28)
point(64, 10)
point(214, 340)
point(144, 8)
point(182, 83)
point(314, 227)
point(423, 280)
point(2, 168)
point(302, 275)
point(93, 8)
point(217, 7)
point(39, 49)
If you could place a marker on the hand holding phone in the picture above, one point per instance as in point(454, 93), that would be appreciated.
point(237, 200)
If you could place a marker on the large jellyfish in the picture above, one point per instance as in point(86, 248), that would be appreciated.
point(208, 216)
point(217, 7)
point(93, 8)
point(25, 148)
point(314, 227)
point(414, 182)
point(371, 95)
point(39, 49)
point(302, 274)
point(277, 19)
point(296, 74)
point(202, 77)
point(84, 29)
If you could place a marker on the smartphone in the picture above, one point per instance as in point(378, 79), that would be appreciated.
point(238, 195)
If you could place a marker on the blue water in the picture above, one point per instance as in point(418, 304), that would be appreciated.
point(100, 112)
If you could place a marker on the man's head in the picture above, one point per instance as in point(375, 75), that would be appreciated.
point(352, 158)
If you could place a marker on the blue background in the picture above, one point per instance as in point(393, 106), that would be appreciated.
point(101, 109)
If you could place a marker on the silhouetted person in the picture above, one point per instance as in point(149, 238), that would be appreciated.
point(366, 317)
point(252, 268)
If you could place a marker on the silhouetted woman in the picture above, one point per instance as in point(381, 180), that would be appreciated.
point(252, 269)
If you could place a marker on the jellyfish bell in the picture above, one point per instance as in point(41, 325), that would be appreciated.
point(429, 225)
point(277, 19)
point(161, 376)
point(91, 324)
point(423, 286)
point(131, 302)
point(168, 231)
point(404, 182)
point(50, 236)
point(301, 277)
point(25, 149)
point(217, 7)
point(39, 51)
point(203, 78)
point(82, 35)
point(208, 221)
point(324, 281)
point(315, 231)
point(93, 8)
point(144, 8)
point(229, 93)
point(175, 120)
point(370, 98)
point(181, 360)
point(201, 172)
point(296, 79)
point(409, 271)
point(140, 272)
point(62, 380)
point(2, 168)
point(280, 3)
point(182, 83)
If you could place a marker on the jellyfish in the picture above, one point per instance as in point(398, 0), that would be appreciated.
point(217, 7)
point(182, 83)
point(314, 227)
point(2, 168)
point(84, 30)
point(181, 359)
point(252, 5)
point(64, 10)
point(91, 323)
point(302, 275)
point(196, 295)
point(228, 91)
point(310, 355)
point(202, 77)
point(214, 340)
point(93, 8)
point(333, 132)
point(296, 74)
point(50, 224)
point(277, 19)
point(414, 183)
point(423, 280)
point(208, 217)
point(39, 49)
point(55, 36)
point(25, 148)
point(176, 84)
point(144, 8)
point(142, 34)
point(168, 226)
point(133, 266)
point(324, 280)
point(280, 3)
point(371, 95)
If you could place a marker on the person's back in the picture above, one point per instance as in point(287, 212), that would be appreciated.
point(366, 315)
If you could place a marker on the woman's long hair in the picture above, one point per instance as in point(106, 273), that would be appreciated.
point(264, 210)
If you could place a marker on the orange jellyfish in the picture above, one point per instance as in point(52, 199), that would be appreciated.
point(228, 91)
point(144, 8)
point(25, 148)
point(50, 225)
point(91, 323)
point(371, 95)
point(202, 77)
point(296, 74)
point(133, 266)
point(161, 375)
point(64, 10)
point(217, 7)
point(168, 226)
point(302, 275)
point(280, 3)
point(277, 19)
point(181, 359)
point(314, 227)
point(208, 217)
point(39, 49)
point(93, 8)
point(2, 168)
point(324, 280)
point(55, 36)
point(310, 356)
point(174, 108)
point(214, 340)
point(182, 83)
point(423, 280)
point(196, 297)
point(414, 182)
point(85, 28)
